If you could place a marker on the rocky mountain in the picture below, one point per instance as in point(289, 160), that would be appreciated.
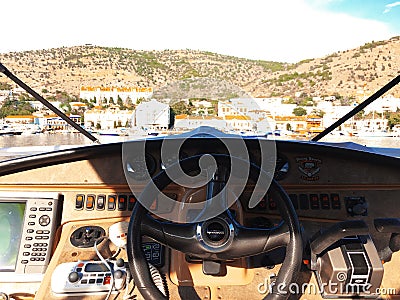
point(189, 73)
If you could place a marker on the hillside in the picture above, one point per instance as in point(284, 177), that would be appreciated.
point(354, 72)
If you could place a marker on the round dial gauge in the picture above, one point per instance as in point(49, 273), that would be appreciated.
point(139, 168)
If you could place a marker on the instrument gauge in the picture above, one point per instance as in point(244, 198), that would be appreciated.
point(170, 160)
point(141, 169)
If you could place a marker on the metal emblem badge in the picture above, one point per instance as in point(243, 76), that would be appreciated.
point(309, 168)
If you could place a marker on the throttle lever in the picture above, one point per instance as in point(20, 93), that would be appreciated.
point(324, 239)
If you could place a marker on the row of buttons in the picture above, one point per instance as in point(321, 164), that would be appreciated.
point(42, 208)
point(101, 278)
point(91, 281)
point(305, 202)
point(40, 249)
point(111, 202)
point(24, 261)
point(38, 231)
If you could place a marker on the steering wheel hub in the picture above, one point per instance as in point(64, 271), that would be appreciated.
point(215, 234)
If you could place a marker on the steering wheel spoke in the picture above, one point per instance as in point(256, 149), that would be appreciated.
point(253, 241)
point(181, 237)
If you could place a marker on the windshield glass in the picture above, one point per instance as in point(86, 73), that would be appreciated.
point(278, 86)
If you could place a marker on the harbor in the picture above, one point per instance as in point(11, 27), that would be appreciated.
point(12, 146)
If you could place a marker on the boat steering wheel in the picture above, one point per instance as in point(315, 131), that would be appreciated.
point(238, 241)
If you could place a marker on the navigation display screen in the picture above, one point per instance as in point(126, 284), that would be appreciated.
point(11, 226)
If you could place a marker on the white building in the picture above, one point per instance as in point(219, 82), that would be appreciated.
point(152, 115)
point(185, 122)
point(247, 107)
point(40, 106)
point(202, 103)
point(103, 95)
point(275, 106)
point(334, 113)
point(108, 119)
point(371, 125)
point(240, 123)
point(53, 122)
point(265, 126)
point(202, 107)
point(383, 104)
point(236, 107)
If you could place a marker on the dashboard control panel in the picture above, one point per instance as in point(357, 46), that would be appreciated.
point(86, 276)
point(303, 201)
point(120, 202)
point(338, 204)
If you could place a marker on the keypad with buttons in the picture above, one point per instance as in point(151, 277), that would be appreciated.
point(37, 235)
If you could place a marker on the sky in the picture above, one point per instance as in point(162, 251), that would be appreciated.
point(280, 30)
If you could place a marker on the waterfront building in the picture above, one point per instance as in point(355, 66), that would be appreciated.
point(109, 118)
point(237, 107)
point(239, 123)
point(100, 95)
point(256, 108)
point(291, 123)
point(388, 103)
point(334, 113)
point(152, 115)
point(21, 119)
point(185, 122)
point(265, 126)
point(78, 106)
point(53, 122)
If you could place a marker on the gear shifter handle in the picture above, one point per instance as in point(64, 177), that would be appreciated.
point(333, 234)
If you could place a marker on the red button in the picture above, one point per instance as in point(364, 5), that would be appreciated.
point(107, 280)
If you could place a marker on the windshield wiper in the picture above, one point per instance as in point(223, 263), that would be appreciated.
point(358, 108)
point(46, 103)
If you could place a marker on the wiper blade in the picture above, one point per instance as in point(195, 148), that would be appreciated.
point(358, 108)
point(54, 109)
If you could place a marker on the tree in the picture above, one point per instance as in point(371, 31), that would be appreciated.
point(180, 108)
point(139, 100)
point(15, 107)
point(120, 103)
point(5, 86)
point(393, 119)
point(299, 111)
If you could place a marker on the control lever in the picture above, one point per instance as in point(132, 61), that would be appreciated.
point(324, 239)
point(119, 279)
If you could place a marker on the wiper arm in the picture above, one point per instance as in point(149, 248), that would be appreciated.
point(46, 103)
point(358, 108)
